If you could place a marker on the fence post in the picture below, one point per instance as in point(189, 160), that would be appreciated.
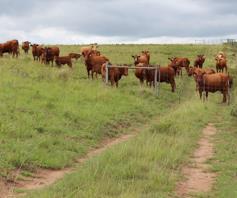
point(158, 83)
point(155, 81)
point(107, 73)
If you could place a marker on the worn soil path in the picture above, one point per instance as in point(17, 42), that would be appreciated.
point(45, 177)
point(198, 177)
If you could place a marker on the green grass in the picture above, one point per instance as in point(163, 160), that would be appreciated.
point(49, 117)
point(145, 166)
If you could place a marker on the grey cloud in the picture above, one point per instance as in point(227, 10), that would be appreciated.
point(134, 19)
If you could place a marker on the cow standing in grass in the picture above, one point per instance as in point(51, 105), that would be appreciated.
point(164, 74)
point(213, 83)
point(50, 53)
point(11, 47)
point(63, 60)
point(141, 60)
point(26, 46)
point(178, 63)
point(94, 63)
point(199, 61)
point(114, 73)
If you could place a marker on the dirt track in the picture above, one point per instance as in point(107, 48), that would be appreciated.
point(198, 177)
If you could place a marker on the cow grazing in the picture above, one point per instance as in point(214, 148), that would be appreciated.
point(50, 53)
point(85, 50)
point(114, 73)
point(94, 62)
point(213, 83)
point(75, 56)
point(62, 60)
point(164, 74)
point(199, 61)
point(11, 47)
point(26, 46)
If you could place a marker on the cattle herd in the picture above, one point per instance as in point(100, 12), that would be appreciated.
point(206, 79)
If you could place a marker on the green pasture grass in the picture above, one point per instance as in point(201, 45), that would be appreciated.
point(149, 165)
point(50, 116)
point(145, 166)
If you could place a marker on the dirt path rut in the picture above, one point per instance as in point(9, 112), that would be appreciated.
point(46, 177)
point(198, 177)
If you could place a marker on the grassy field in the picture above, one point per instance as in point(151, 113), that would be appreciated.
point(50, 117)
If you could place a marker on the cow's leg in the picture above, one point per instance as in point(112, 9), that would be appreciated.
point(173, 85)
point(92, 74)
point(200, 93)
point(88, 72)
point(224, 96)
point(206, 95)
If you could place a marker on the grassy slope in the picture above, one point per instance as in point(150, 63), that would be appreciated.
point(147, 166)
point(42, 106)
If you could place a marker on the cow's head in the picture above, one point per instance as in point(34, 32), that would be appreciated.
point(136, 59)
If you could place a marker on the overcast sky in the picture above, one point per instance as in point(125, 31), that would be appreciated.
point(117, 21)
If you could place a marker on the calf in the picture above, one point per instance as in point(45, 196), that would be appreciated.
point(62, 60)
point(114, 73)
point(75, 56)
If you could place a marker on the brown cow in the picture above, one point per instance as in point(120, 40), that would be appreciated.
point(213, 83)
point(62, 60)
point(144, 57)
point(75, 56)
point(195, 71)
point(199, 61)
point(114, 73)
point(37, 51)
point(178, 63)
point(141, 60)
point(26, 46)
point(94, 62)
point(50, 53)
point(164, 74)
point(221, 64)
point(85, 50)
point(11, 47)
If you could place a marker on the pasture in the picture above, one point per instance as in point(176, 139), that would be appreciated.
point(50, 117)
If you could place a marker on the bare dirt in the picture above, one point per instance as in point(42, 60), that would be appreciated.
point(198, 177)
point(5, 190)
